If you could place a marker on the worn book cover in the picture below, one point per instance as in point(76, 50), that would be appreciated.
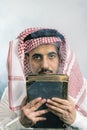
point(47, 86)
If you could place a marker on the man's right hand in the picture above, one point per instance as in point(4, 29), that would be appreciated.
point(30, 114)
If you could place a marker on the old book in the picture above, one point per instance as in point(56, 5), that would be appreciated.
point(47, 86)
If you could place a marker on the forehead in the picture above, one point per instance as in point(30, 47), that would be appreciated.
point(44, 49)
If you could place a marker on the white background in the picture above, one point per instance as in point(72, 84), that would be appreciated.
point(68, 16)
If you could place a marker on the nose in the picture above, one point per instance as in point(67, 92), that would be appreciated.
point(45, 63)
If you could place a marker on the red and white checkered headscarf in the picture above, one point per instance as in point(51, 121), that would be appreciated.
point(18, 68)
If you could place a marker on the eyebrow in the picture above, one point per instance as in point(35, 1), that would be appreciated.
point(38, 54)
point(52, 52)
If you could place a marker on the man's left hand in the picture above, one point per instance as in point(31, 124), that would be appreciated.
point(64, 109)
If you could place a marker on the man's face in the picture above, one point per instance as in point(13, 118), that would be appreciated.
point(44, 60)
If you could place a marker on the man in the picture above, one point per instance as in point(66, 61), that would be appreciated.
point(45, 51)
point(44, 60)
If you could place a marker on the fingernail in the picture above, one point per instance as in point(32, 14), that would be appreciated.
point(48, 100)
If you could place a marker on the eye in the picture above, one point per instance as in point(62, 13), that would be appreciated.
point(52, 55)
point(36, 57)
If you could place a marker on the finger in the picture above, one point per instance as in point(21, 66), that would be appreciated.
point(40, 103)
point(58, 105)
point(63, 115)
point(55, 113)
point(33, 107)
point(61, 101)
point(61, 108)
point(64, 104)
point(40, 118)
point(41, 112)
point(33, 102)
point(55, 109)
point(36, 116)
point(37, 119)
point(51, 102)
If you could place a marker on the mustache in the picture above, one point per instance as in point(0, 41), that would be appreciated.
point(44, 70)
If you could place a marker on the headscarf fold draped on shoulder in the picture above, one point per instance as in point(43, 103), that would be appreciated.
point(18, 67)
